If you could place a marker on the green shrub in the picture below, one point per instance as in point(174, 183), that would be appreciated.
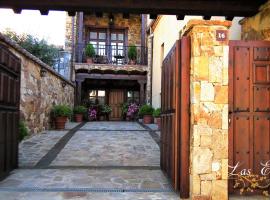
point(146, 110)
point(124, 108)
point(132, 52)
point(106, 109)
point(79, 110)
point(61, 111)
point(90, 51)
point(157, 113)
point(23, 131)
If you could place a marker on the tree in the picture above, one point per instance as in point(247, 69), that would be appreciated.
point(39, 48)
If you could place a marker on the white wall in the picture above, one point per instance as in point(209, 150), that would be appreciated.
point(167, 32)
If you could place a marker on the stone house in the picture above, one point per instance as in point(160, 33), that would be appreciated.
point(111, 78)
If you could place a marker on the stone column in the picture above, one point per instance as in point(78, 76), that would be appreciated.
point(209, 108)
point(142, 99)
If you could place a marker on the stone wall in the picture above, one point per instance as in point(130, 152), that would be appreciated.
point(39, 94)
point(68, 33)
point(133, 24)
point(209, 110)
point(258, 26)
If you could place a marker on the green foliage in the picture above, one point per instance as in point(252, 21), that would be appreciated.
point(79, 110)
point(90, 51)
point(132, 52)
point(39, 48)
point(146, 110)
point(157, 112)
point(23, 131)
point(124, 108)
point(106, 109)
point(61, 111)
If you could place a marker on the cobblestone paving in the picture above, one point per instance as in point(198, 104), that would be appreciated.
point(128, 145)
point(71, 125)
point(86, 178)
point(88, 196)
point(112, 126)
point(34, 148)
point(109, 148)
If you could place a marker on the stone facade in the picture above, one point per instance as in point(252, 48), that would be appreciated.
point(39, 94)
point(133, 24)
point(68, 33)
point(258, 26)
point(209, 110)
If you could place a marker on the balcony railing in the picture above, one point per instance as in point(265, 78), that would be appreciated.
point(112, 54)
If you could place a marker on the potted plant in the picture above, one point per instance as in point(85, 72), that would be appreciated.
point(61, 113)
point(106, 110)
point(124, 109)
point(156, 115)
point(79, 111)
point(90, 53)
point(146, 111)
point(92, 114)
point(132, 54)
point(132, 111)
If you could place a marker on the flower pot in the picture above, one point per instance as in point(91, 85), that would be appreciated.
point(60, 122)
point(78, 117)
point(89, 60)
point(132, 62)
point(158, 122)
point(147, 119)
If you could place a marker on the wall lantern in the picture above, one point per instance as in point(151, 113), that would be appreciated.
point(63, 84)
point(43, 72)
point(111, 19)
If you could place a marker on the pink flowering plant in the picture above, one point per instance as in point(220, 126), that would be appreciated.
point(132, 111)
point(92, 113)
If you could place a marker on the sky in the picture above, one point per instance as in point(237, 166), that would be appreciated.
point(50, 27)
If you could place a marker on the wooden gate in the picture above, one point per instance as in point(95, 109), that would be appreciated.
point(9, 110)
point(175, 116)
point(249, 105)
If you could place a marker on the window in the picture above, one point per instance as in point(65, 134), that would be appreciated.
point(133, 97)
point(97, 96)
point(117, 45)
point(98, 39)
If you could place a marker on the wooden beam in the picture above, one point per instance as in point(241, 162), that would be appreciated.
point(17, 10)
point(206, 17)
point(71, 13)
point(126, 15)
point(186, 7)
point(82, 76)
point(44, 12)
point(153, 16)
point(180, 17)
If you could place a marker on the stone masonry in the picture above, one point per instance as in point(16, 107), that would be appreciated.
point(258, 26)
point(209, 110)
point(39, 94)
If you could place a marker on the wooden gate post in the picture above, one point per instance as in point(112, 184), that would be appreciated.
point(209, 108)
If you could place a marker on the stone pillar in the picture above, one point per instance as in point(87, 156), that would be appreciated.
point(209, 108)
point(142, 92)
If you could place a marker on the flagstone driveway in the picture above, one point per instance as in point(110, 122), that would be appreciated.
point(97, 160)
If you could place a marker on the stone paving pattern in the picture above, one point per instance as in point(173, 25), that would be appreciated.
point(112, 126)
point(109, 148)
point(31, 150)
point(87, 178)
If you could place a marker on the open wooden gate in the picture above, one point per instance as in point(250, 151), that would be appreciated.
point(175, 121)
point(249, 106)
point(10, 67)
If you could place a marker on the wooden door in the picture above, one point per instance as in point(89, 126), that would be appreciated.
point(249, 106)
point(175, 121)
point(116, 99)
point(10, 67)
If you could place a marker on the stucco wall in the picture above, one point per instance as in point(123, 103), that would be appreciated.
point(258, 26)
point(39, 94)
point(167, 32)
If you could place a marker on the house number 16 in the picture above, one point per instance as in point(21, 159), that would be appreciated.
point(221, 35)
